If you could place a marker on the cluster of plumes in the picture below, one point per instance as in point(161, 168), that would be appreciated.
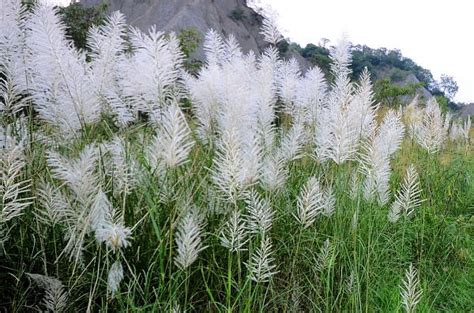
point(82, 207)
point(376, 155)
point(236, 101)
point(431, 128)
point(67, 91)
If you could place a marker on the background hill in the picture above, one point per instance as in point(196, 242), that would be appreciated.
point(396, 78)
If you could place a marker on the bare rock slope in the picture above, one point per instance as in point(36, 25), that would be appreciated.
point(224, 16)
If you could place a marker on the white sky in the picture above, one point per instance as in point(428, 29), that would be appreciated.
point(437, 34)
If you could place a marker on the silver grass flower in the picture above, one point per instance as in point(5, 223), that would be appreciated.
point(123, 169)
point(107, 227)
point(324, 256)
point(412, 115)
point(466, 129)
point(329, 201)
point(214, 48)
point(261, 267)
point(188, 241)
point(150, 75)
point(259, 213)
point(376, 155)
point(311, 96)
point(343, 137)
point(233, 235)
point(411, 291)
point(431, 132)
point(107, 44)
point(79, 174)
point(288, 79)
point(12, 100)
point(273, 171)
point(56, 297)
point(13, 54)
point(173, 141)
point(107, 52)
point(232, 48)
point(408, 197)
point(270, 31)
point(310, 203)
point(13, 187)
point(227, 167)
point(62, 90)
point(115, 277)
point(292, 143)
point(459, 131)
point(364, 105)
point(55, 204)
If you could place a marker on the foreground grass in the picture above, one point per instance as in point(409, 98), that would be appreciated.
point(352, 261)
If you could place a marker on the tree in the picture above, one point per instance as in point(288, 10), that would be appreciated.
point(390, 94)
point(189, 41)
point(449, 86)
point(79, 19)
point(323, 42)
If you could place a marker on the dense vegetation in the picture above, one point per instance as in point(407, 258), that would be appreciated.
point(128, 184)
point(388, 68)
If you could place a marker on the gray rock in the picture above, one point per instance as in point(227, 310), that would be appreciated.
point(224, 16)
point(467, 110)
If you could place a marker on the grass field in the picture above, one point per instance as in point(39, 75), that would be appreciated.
point(128, 185)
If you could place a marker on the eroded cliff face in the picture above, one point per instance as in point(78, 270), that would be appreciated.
point(224, 16)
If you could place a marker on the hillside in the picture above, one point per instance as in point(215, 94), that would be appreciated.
point(237, 18)
point(224, 16)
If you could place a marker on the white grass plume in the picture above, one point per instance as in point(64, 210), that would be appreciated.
point(273, 171)
point(408, 197)
point(324, 256)
point(12, 96)
point(107, 44)
point(411, 291)
point(259, 213)
point(56, 297)
point(310, 203)
point(329, 201)
point(115, 277)
point(173, 140)
point(63, 93)
point(261, 267)
point(79, 173)
point(13, 50)
point(376, 155)
point(151, 74)
point(233, 235)
point(188, 241)
point(227, 167)
point(270, 31)
point(13, 187)
point(55, 204)
point(214, 48)
point(122, 166)
point(431, 131)
point(107, 225)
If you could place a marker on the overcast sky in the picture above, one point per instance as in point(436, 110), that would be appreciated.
point(436, 34)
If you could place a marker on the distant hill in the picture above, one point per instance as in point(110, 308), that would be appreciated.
point(237, 18)
point(224, 16)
